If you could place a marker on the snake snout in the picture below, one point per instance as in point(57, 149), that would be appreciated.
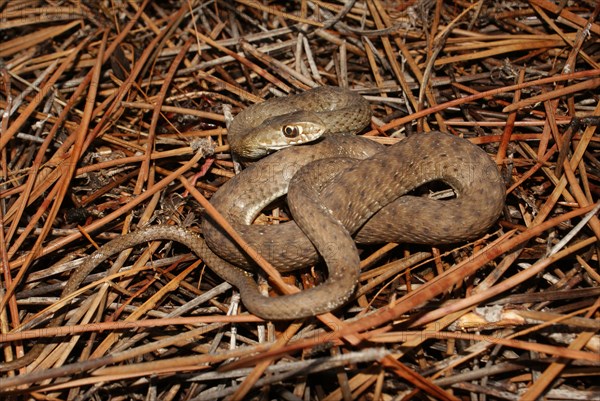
point(291, 129)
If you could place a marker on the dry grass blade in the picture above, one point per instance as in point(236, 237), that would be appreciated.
point(114, 117)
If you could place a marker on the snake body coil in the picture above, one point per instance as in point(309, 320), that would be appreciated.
point(367, 199)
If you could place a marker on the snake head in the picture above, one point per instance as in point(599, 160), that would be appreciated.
point(280, 132)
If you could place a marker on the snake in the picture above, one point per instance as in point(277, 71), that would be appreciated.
point(342, 189)
point(360, 194)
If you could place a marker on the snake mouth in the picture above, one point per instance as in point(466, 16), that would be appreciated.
point(288, 142)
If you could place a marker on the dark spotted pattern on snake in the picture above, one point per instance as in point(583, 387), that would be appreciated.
point(365, 200)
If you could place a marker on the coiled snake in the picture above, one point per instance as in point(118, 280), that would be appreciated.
point(364, 199)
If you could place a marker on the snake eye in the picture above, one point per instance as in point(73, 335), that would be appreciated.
point(291, 131)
